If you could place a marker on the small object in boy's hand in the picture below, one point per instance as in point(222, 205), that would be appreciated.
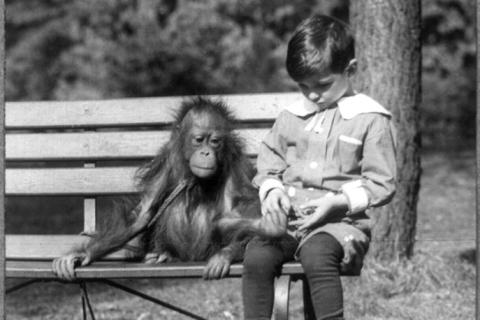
point(306, 211)
point(299, 211)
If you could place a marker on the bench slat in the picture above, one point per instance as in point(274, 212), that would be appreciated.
point(101, 145)
point(128, 112)
point(110, 270)
point(70, 181)
point(46, 247)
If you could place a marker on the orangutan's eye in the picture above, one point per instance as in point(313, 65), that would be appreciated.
point(215, 142)
point(198, 140)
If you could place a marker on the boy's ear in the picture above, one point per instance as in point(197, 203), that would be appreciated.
point(351, 67)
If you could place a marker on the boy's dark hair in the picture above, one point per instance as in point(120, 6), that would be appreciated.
point(319, 43)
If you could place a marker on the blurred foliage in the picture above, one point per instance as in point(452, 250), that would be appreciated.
point(82, 49)
point(449, 71)
point(87, 49)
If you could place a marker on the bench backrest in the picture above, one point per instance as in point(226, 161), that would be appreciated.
point(84, 149)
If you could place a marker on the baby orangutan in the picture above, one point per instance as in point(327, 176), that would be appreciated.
point(196, 200)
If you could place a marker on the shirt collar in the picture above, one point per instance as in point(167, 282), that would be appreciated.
point(349, 107)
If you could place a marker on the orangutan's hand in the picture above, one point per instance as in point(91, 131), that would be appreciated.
point(64, 267)
point(218, 265)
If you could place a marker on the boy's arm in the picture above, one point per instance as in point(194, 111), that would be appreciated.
point(377, 185)
point(271, 159)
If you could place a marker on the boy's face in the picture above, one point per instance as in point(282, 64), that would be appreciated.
point(325, 88)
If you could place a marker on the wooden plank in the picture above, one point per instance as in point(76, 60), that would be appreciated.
point(46, 247)
point(70, 181)
point(101, 145)
point(120, 269)
point(89, 209)
point(81, 146)
point(41, 247)
point(89, 214)
point(127, 112)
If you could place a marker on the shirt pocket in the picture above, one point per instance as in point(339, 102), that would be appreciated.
point(349, 154)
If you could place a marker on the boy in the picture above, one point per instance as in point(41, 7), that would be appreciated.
point(326, 160)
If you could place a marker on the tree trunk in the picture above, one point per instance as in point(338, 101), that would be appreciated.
point(388, 50)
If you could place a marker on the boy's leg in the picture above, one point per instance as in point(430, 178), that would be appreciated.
point(321, 256)
point(263, 261)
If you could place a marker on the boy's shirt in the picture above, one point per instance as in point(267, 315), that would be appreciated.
point(348, 148)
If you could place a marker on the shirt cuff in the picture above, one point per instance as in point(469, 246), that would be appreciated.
point(268, 185)
point(356, 195)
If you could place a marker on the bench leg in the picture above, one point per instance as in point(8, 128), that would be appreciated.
point(308, 311)
point(86, 302)
point(152, 299)
point(21, 285)
point(282, 295)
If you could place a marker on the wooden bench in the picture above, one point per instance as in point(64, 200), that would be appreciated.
point(92, 149)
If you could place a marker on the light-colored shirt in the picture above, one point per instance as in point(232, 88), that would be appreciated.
point(348, 148)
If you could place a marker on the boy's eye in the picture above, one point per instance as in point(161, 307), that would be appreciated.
point(324, 85)
point(316, 86)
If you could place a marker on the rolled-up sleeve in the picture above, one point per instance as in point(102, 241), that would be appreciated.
point(376, 185)
point(378, 163)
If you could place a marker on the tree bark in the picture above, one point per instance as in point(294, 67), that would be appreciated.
point(388, 50)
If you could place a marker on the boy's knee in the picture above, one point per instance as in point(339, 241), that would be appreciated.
point(262, 258)
point(322, 254)
point(318, 266)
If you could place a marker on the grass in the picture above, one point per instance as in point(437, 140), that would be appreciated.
point(437, 283)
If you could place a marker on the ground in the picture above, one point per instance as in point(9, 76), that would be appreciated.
point(437, 283)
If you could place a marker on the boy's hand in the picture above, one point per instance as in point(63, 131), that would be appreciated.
point(277, 202)
point(322, 208)
point(275, 208)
